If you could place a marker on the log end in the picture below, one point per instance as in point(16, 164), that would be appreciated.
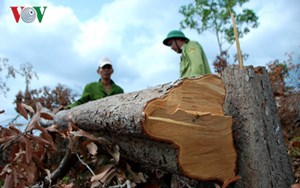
point(191, 117)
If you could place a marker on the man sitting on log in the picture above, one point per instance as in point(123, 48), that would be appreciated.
point(103, 88)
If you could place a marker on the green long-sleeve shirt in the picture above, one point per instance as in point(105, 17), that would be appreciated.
point(193, 60)
point(96, 90)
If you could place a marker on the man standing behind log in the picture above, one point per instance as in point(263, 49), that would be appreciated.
point(103, 88)
point(193, 59)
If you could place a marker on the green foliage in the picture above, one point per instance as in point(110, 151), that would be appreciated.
point(214, 15)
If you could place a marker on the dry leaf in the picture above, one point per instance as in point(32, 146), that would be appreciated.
point(22, 110)
point(141, 175)
point(121, 176)
point(53, 128)
point(296, 144)
point(7, 138)
point(14, 130)
point(135, 177)
point(38, 107)
point(6, 169)
point(46, 116)
point(95, 184)
point(18, 124)
point(48, 175)
point(9, 181)
point(28, 149)
point(92, 147)
point(102, 172)
point(34, 121)
point(87, 135)
point(31, 172)
point(68, 186)
point(46, 135)
point(28, 108)
point(40, 140)
point(76, 133)
point(115, 153)
point(55, 110)
point(108, 176)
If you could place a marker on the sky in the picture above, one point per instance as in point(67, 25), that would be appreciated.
point(75, 35)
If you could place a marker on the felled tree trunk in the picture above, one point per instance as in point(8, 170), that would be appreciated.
point(262, 156)
point(178, 127)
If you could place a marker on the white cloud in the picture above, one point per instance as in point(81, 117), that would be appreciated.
point(133, 36)
point(277, 33)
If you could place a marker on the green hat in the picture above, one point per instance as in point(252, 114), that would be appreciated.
point(174, 34)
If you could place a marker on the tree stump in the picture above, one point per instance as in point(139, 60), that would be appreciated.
point(262, 155)
point(178, 127)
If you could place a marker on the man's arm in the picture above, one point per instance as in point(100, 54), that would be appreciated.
point(85, 97)
point(80, 101)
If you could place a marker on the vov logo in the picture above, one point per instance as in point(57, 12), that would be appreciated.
point(28, 14)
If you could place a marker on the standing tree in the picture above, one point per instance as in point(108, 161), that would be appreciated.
point(214, 15)
point(285, 75)
point(10, 72)
point(51, 99)
point(60, 95)
point(26, 71)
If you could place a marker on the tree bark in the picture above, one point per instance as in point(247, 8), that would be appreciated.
point(262, 155)
point(156, 127)
point(178, 127)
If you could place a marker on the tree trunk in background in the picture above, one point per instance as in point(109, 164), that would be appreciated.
point(262, 156)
